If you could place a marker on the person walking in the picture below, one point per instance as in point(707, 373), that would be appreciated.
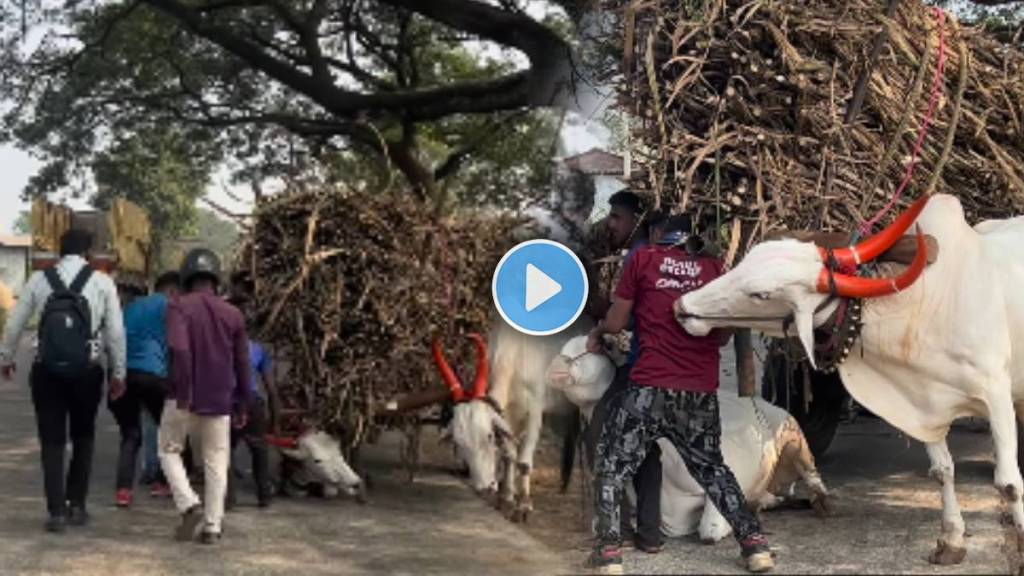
point(255, 431)
point(145, 329)
point(671, 394)
point(209, 379)
point(77, 304)
point(628, 231)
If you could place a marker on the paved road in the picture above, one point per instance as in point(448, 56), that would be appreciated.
point(431, 527)
point(888, 515)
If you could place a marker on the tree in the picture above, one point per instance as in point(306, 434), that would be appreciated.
point(278, 82)
point(208, 231)
point(161, 170)
point(23, 224)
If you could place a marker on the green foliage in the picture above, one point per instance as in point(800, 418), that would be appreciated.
point(158, 170)
point(23, 224)
point(242, 83)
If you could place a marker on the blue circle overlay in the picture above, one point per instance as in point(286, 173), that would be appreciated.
point(544, 261)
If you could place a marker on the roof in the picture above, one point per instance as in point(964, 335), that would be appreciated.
point(12, 241)
point(597, 162)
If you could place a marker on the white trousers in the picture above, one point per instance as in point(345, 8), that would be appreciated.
point(213, 433)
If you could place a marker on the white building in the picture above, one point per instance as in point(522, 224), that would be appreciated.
point(15, 254)
point(607, 169)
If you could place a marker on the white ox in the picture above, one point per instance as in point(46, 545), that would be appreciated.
point(942, 348)
point(313, 464)
point(761, 443)
point(496, 427)
point(497, 423)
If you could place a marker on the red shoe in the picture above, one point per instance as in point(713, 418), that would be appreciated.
point(159, 490)
point(123, 498)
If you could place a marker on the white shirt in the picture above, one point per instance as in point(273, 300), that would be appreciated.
point(104, 307)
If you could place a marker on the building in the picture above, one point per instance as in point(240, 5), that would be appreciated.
point(607, 169)
point(15, 259)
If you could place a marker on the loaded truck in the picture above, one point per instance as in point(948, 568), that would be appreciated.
point(121, 239)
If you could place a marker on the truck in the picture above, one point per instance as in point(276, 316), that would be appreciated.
point(121, 239)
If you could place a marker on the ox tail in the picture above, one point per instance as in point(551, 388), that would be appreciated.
point(571, 439)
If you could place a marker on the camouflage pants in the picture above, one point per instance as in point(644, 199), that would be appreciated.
point(691, 422)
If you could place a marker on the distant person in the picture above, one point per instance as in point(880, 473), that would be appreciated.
point(256, 429)
point(77, 304)
point(146, 334)
point(6, 304)
point(209, 379)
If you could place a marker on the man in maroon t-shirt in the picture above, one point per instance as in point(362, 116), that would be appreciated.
point(672, 394)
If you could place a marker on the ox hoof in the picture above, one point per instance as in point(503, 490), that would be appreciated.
point(824, 505)
point(520, 515)
point(946, 555)
point(362, 496)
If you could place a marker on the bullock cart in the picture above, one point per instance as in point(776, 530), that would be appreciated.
point(825, 116)
point(356, 290)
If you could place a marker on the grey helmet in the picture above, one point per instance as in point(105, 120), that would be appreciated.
point(200, 262)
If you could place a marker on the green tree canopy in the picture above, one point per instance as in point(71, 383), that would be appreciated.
point(423, 88)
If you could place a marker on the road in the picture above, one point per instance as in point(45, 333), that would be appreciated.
point(433, 526)
point(887, 519)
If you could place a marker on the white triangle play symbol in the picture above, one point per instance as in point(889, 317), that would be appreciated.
point(539, 287)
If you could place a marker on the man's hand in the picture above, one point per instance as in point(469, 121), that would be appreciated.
point(8, 371)
point(595, 342)
point(240, 420)
point(117, 388)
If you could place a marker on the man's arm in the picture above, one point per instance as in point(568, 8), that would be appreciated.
point(18, 319)
point(614, 322)
point(243, 370)
point(179, 368)
point(113, 327)
point(272, 395)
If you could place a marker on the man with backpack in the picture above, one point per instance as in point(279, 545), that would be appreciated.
point(78, 304)
point(209, 383)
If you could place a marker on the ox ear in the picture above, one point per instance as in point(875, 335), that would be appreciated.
point(803, 317)
point(294, 453)
point(501, 428)
point(446, 435)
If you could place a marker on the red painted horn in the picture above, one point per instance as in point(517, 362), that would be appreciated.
point(447, 374)
point(855, 287)
point(874, 246)
point(482, 368)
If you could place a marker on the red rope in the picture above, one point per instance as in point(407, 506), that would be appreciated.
point(868, 227)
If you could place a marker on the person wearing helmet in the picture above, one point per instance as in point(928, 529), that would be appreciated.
point(209, 380)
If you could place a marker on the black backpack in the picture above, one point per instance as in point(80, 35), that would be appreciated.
point(65, 327)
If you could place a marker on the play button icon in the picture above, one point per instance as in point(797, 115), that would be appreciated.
point(540, 287)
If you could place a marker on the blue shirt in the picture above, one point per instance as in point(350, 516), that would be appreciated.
point(146, 334)
point(260, 361)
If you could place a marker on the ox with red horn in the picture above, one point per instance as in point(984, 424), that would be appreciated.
point(849, 286)
point(451, 380)
point(453, 386)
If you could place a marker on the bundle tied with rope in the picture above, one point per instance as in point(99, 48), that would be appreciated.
point(771, 115)
point(353, 288)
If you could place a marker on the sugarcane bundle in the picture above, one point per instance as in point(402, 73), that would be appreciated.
point(747, 110)
point(352, 288)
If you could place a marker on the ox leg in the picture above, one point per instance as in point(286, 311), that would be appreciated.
point(1008, 476)
point(800, 454)
point(950, 548)
point(524, 464)
point(713, 526)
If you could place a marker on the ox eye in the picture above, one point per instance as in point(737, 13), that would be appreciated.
point(761, 296)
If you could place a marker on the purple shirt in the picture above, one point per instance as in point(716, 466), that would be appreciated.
point(209, 354)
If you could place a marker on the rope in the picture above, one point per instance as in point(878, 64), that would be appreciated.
point(867, 227)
